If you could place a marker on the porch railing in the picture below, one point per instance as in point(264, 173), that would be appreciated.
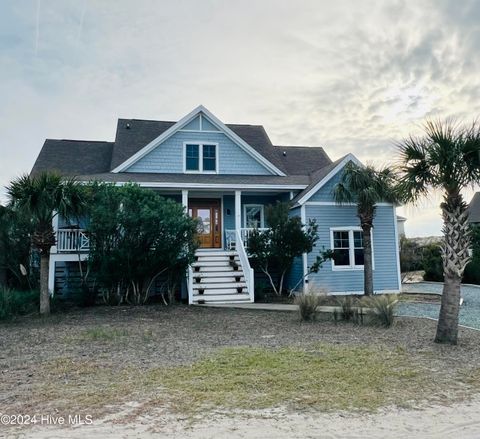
point(244, 234)
point(72, 240)
point(247, 270)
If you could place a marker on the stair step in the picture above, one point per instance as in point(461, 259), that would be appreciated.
point(220, 291)
point(221, 268)
point(211, 263)
point(218, 274)
point(221, 297)
point(216, 259)
point(216, 285)
point(215, 253)
point(211, 279)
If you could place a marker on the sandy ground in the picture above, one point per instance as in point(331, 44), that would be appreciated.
point(461, 421)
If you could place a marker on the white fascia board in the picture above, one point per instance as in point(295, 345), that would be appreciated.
point(324, 180)
point(180, 124)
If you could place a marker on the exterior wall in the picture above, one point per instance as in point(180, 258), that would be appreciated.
point(296, 272)
point(325, 193)
point(168, 157)
point(385, 275)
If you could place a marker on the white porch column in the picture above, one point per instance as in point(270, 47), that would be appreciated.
point(51, 276)
point(185, 199)
point(238, 210)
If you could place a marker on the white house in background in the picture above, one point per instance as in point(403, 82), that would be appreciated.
point(224, 175)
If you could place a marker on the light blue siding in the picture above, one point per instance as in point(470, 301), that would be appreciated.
point(325, 193)
point(228, 212)
point(296, 272)
point(207, 125)
point(193, 124)
point(385, 275)
point(168, 157)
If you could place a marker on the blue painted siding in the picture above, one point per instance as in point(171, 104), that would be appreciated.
point(207, 125)
point(296, 272)
point(168, 157)
point(228, 206)
point(385, 275)
point(193, 124)
point(325, 193)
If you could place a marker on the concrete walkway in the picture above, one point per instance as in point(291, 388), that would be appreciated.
point(269, 306)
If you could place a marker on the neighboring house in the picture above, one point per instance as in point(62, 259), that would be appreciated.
point(225, 174)
point(474, 209)
point(401, 225)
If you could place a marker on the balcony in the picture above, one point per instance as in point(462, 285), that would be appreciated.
point(72, 241)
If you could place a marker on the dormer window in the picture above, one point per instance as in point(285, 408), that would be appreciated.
point(200, 157)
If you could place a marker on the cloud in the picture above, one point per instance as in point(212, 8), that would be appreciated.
point(349, 76)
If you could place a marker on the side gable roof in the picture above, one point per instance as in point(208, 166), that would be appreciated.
point(73, 157)
point(181, 123)
point(322, 176)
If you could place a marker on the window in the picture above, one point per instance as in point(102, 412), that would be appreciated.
point(200, 157)
point(192, 157)
point(253, 214)
point(347, 246)
point(209, 158)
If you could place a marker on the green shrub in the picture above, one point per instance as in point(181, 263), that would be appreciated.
point(308, 303)
point(381, 309)
point(347, 305)
point(432, 263)
point(15, 303)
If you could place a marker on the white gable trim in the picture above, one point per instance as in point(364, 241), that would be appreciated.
point(184, 121)
point(324, 180)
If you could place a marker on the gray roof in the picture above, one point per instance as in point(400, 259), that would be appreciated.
point(144, 177)
point(474, 209)
point(73, 157)
point(91, 159)
point(316, 177)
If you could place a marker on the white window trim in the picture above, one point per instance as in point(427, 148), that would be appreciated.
point(262, 214)
point(351, 248)
point(200, 154)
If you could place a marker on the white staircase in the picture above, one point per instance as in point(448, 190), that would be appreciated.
point(218, 276)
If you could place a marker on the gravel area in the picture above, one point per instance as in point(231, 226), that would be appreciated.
point(469, 311)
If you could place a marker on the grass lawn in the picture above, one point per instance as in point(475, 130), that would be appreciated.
point(190, 360)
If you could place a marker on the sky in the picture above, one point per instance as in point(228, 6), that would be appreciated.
point(351, 76)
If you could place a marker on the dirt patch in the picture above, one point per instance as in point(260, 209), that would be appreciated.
point(98, 359)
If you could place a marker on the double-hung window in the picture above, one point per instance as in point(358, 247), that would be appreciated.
point(201, 157)
point(253, 216)
point(347, 246)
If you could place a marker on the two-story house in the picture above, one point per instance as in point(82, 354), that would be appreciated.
point(225, 175)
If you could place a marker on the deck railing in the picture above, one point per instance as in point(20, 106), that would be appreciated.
point(72, 240)
point(245, 232)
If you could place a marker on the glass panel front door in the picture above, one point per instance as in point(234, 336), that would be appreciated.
point(208, 215)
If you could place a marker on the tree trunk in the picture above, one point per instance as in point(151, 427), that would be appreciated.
point(455, 256)
point(447, 328)
point(367, 261)
point(44, 293)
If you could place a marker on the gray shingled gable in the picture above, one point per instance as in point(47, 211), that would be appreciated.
point(90, 157)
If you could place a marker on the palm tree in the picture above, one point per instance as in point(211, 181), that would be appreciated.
point(446, 159)
point(43, 197)
point(366, 186)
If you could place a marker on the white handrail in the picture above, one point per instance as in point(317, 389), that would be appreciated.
point(190, 285)
point(245, 233)
point(72, 240)
point(247, 270)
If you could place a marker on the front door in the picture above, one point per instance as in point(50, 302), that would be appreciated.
point(208, 214)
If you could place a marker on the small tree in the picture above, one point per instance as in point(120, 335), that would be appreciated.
point(136, 236)
point(366, 186)
point(445, 159)
point(286, 238)
point(42, 198)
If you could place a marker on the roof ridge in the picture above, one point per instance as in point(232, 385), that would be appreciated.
point(146, 120)
point(77, 140)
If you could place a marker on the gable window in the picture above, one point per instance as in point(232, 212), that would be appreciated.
point(200, 157)
point(347, 246)
point(254, 217)
point(192, 157)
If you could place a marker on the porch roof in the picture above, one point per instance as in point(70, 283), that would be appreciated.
point(195, 180)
